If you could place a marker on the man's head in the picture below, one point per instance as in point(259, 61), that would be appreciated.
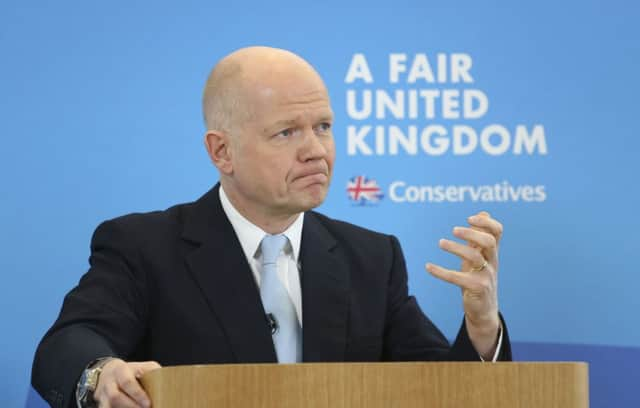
point(269, 121)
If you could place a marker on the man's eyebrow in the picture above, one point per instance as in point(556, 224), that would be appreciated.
point(284, 122)
point(278, 125)
point(327, 117)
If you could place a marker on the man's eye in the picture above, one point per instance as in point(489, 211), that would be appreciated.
point(285, 133)
point(324, 127)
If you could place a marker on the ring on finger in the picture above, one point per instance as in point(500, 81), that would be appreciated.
point(481, 267)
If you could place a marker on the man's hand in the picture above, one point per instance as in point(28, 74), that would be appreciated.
point(478, 278)
point(118, 384)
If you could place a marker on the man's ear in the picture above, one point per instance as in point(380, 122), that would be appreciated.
point(217, 144)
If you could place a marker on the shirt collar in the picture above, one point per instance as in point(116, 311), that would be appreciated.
point(250, 235)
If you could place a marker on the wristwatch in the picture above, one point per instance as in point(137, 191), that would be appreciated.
point(88, 383)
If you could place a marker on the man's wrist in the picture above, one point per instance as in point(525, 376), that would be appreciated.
point(88, 382)
point(488, 326)
point(493, 356)
point(484, 335)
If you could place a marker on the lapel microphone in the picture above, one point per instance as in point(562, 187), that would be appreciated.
point(273, 323)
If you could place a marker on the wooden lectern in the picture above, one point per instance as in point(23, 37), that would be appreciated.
point(371, 385)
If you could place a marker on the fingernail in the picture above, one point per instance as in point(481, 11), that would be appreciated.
point(473, 218)
point(457, 230)
point(442, 242)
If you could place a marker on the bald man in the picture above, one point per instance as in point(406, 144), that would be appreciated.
point(186, 285)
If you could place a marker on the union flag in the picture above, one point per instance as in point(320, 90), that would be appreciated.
point(362, 190)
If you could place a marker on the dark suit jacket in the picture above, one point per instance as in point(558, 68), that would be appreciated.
point(174, 286)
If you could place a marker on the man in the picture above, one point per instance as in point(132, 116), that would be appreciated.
point(192, 284)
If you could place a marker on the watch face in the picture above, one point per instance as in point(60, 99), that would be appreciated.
point(89, 382)
point(82, 390)
point(87, 385)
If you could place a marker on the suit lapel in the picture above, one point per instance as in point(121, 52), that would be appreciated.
point(325, 294)
point(221, 271)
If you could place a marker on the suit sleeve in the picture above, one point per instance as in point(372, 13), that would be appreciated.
point(102, 316)
point(409, 335)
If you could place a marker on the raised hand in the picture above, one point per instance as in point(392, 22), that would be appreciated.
point(477, 277)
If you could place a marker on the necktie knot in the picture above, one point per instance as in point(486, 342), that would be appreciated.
point(271, 246)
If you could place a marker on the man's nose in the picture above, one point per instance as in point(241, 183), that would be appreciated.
point(312, 147)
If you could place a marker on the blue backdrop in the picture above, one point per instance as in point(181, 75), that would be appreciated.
point(525, 110)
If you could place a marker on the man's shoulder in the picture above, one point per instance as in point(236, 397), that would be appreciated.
point(151, 225)
point(346, 230)
point(365, 249)
point(172, 215)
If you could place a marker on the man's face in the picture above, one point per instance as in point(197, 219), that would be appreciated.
point(283, 155)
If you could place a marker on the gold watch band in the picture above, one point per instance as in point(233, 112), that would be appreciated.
point(88, 382)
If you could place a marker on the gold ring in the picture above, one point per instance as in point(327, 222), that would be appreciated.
point(480, 268)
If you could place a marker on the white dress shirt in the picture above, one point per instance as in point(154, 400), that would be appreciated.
point(250, 237)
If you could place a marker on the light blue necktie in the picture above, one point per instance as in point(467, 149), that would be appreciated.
point(277, 303)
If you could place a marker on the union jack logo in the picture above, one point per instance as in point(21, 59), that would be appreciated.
point(362, 190)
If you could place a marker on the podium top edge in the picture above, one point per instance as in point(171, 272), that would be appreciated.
point(386, 364)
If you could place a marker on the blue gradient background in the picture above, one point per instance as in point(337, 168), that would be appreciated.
point(100, 116)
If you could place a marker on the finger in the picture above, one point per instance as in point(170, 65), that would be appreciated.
point(128, 383)
point(482, 239)
point(470, 254)
point(142, 368)
point(480, 228)
point(474, 245)
point(484, 221)
point(112, 397)
point(462, 280)
point(123, 401)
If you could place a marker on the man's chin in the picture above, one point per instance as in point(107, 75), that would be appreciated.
point(313, 197)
